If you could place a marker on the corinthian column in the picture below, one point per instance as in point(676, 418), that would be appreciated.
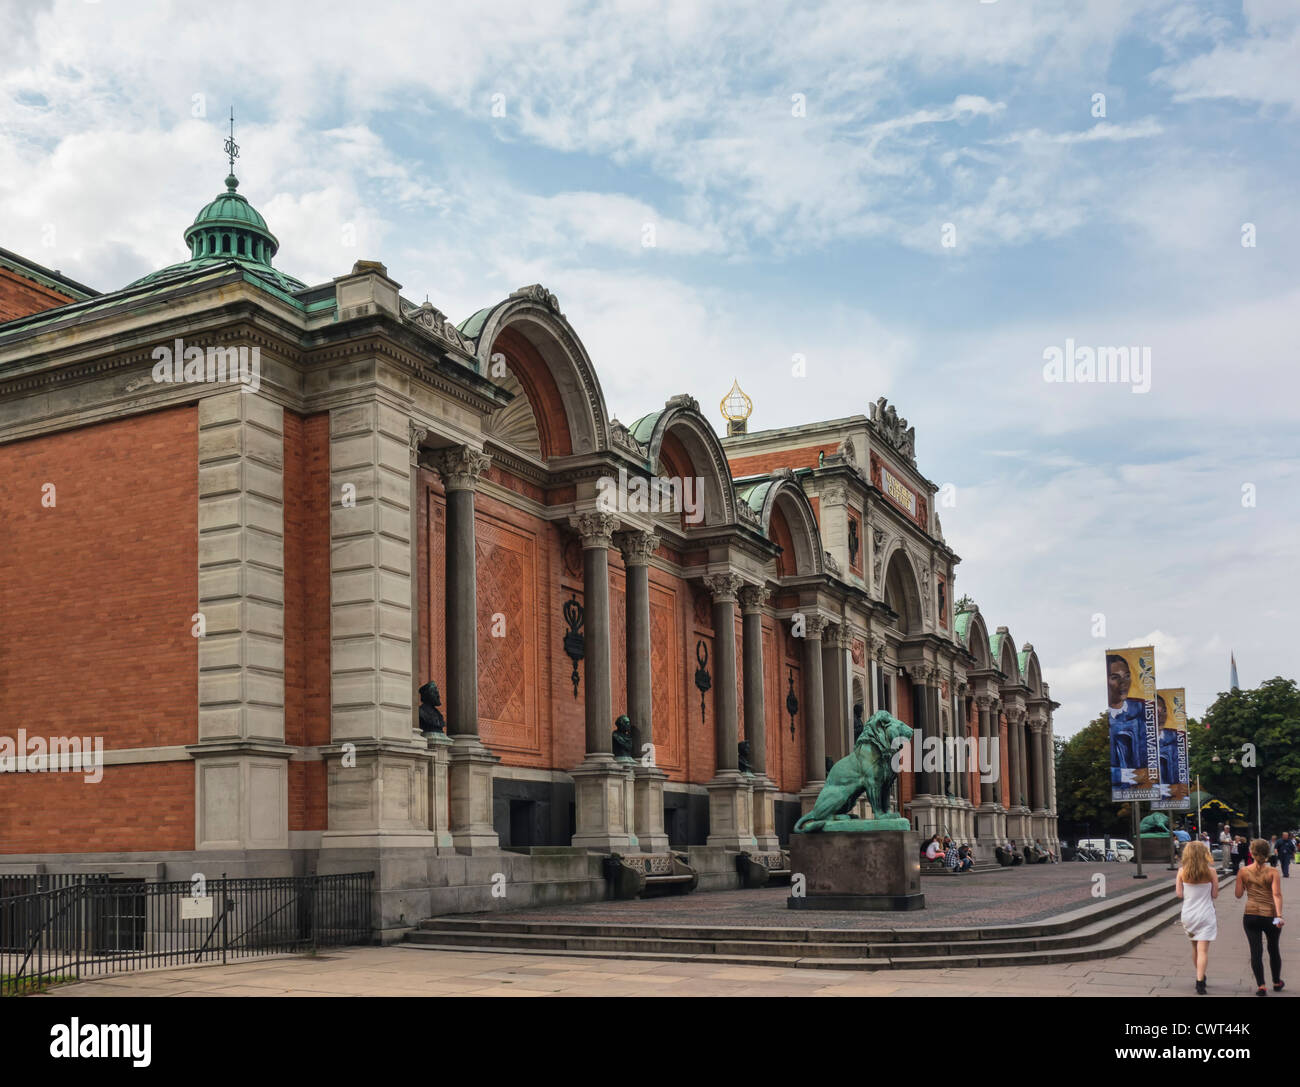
point(600, 784)
point(814, 718)
point(470, 770)
point(730, 794)
point(752, 599)
point(648, 783)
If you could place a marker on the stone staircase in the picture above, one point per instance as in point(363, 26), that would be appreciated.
point(1109, 927)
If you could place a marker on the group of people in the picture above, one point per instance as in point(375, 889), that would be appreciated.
point(946, 852)
point(1238, 852)
point(1009, 854)
point(1261, 885)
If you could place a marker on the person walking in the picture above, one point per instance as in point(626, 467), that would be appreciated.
point(1286, 853)
point(1262, 918)
point(1198, 886)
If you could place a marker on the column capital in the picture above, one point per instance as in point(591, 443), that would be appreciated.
point(724, 587)
point(925, 674)
point(752, 598)
point(984, 702)
point(459, 467)
point(595, 529)
point(637, 546)
point(814, 626)
point(1038, 724)
point(1014, 714)
point(878, 647)
point(415, 436)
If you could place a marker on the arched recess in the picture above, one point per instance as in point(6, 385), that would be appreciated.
point(786, 507)
point(903, 592)
point(551, 366)
point(1003, 646)
point(977, 640)
point(1030, 670)
point(680, 441)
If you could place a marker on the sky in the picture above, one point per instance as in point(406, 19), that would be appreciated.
point(922, 199)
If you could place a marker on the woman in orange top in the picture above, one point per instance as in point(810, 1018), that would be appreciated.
point(1262, 887)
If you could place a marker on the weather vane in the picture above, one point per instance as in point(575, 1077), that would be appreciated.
point(232, 148)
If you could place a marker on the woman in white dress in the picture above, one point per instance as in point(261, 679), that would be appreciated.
point(1198, 886)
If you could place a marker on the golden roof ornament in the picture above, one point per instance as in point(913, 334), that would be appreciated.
point(736, 408)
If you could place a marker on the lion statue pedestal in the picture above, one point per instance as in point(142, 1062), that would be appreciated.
point(838, 862)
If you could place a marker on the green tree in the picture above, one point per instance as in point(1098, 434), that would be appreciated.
point(1260, 730)
point(1083, 802)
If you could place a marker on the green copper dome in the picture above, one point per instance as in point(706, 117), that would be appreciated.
point(230, 229)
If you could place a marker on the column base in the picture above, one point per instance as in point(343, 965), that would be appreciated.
point(439, 807)
point(731, 811)
point(469, 778)
point(600, 788)
point(648, 808)
point(765, 835)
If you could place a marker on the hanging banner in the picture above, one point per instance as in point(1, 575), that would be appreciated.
point(1171, 720)
point(1131, 697)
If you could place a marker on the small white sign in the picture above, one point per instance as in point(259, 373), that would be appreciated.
point(193, 909)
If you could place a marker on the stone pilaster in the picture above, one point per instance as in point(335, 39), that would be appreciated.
point(648, 779)
point(470, 763)
point(600, 783)
point(377, 765)
point(241, 774)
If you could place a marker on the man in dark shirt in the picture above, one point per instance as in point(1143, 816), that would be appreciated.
point(1286, 853)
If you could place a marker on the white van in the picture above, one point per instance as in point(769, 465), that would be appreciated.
point(1121, 847)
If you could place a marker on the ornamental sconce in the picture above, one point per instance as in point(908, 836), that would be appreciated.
point(702, 679)
point(574, 642)
point(791, 702)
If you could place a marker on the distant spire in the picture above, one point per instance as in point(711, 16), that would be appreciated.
point(232, 153)
point(1232, 681)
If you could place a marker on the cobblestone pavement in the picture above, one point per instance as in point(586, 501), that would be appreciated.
point(1022, 894)
point(1160, 966)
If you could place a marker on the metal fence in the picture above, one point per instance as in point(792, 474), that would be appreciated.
point(71, 927)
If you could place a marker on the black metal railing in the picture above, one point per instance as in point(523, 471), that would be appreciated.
point(59, 927)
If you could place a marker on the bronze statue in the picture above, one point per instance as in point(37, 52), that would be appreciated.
point(623, 737)
point(743, 755)
point(868, 769)
point(431, 718)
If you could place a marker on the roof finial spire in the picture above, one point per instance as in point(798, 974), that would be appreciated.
point(232, 153)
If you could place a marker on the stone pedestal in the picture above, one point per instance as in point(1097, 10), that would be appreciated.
point(808, 796)
point(1157, 851)
point(856, 870)
point(765, 833)
point(600, 787)
point(470, 791)
point(731, 811)
point(378, 793)
point(648, 808)
point(990, 831)
point(439, 795)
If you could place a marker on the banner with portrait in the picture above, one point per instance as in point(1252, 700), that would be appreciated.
point(1171, 723)
point(1134, 746)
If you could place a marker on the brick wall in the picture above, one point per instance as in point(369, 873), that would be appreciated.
point(20, 297)
point(306, 610)
point(96, 598)
point(757, 464)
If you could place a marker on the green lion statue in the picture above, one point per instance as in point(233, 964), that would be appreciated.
point(868, 769)
point(1155, 825)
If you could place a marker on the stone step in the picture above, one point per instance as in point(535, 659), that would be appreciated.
point(1157, 892)
point(1112, 933)
point(1115, 945)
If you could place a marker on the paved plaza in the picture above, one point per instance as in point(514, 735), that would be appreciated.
point(1160, 966)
